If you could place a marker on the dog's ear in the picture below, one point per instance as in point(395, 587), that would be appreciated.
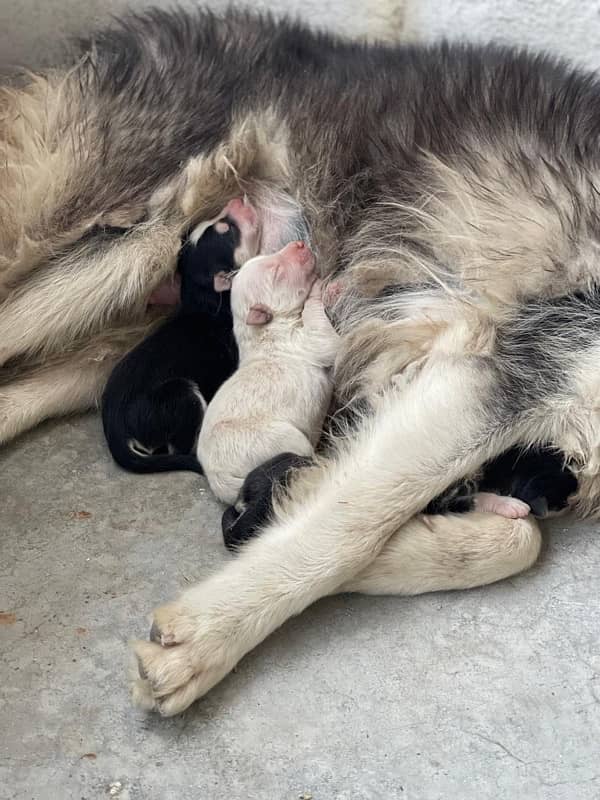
point(259, 315)
point(222, 282)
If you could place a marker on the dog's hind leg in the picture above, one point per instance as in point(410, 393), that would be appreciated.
point(442, 427)
point(67, 384)
point(450, 551)
point(61, 276)
point(51, 391)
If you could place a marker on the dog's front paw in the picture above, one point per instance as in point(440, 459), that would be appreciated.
point(190, 652)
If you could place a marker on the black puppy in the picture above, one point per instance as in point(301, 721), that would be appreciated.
point(536, 476)
point(254, 505)
point(155, 398)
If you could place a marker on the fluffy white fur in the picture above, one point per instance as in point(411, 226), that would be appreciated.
point(277, 399)
point(339, 526)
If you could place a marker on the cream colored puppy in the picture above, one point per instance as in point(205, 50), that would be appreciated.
point(278, 398)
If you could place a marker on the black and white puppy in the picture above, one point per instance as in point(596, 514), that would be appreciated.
point(537, 477)
point(519, 481)
point(253, 507)
point(154, 401)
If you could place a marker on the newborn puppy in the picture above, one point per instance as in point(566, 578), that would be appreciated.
point(536, 480)
point(155, 398)
point(254, 504)
point(516, 483)
point(537, 476)
point(277, 400)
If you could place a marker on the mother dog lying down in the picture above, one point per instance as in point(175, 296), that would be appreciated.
point(454, 189)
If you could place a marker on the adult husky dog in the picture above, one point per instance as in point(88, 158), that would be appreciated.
point(456, 191)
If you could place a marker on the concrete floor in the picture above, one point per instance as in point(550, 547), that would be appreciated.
point(493, 693)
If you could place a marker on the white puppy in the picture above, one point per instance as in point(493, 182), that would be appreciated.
point(278, 398)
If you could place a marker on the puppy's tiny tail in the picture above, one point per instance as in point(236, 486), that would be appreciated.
point(168, 463)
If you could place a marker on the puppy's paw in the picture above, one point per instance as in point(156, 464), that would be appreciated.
point(332, 293)
point(316, 292)
point(508, 507)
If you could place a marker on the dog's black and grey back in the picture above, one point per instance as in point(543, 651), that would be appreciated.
point(363, 122)
point(387, 104)
point(154, 400)
point(439, 163)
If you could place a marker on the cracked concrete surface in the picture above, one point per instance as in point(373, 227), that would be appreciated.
point(492, 693)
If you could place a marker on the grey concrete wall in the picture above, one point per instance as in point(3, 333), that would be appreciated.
point(569, 28)
point(32, 31)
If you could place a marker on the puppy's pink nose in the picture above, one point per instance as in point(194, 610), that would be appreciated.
point(298, 254)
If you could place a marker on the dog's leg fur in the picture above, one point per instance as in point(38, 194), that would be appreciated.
point(454, 414)
point(65, 385)
point(338, 525)
point(51, 195)
point(65, 388)
point(37, 166)
point(453, 551)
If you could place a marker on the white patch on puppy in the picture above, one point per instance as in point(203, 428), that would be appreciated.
point(245, 217)
point(278, 398)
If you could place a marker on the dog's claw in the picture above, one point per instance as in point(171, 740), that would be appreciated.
point(141, 670)
point(163, 639)
point(155, 636)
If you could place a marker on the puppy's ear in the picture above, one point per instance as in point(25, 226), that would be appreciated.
point(222, 282)
point(259, 315)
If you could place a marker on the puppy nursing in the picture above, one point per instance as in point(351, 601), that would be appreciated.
point(155, 398)
point(279, 396)
point(513, 485)
point(155, 401)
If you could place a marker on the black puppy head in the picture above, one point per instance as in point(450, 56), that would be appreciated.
point(252, 510)
point(203, 263)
